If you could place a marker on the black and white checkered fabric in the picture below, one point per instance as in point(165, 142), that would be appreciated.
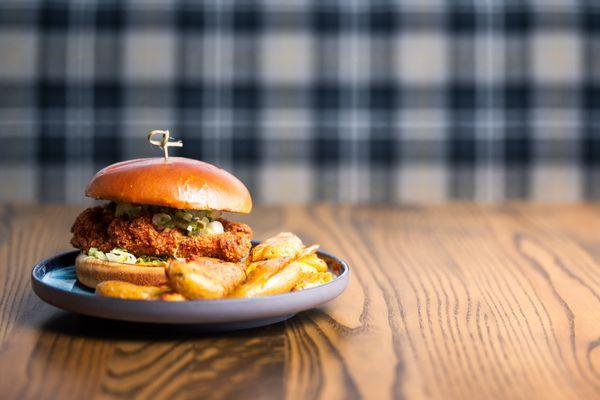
point(353, 101)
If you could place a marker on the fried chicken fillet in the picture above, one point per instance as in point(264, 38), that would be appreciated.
point(99, 227)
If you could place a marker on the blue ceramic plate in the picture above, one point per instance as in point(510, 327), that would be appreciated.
point(54, 281)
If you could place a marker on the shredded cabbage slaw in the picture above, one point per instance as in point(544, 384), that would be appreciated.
point(123, 256)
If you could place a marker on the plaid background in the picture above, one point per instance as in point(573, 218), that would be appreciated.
point(307, 100)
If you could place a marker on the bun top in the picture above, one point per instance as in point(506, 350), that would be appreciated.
point(175, 182)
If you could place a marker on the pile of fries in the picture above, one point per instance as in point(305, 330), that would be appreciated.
point(277, 265)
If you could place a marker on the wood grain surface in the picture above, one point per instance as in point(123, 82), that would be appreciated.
point(452, 301)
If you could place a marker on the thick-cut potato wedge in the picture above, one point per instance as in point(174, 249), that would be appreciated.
point(126, 290)
point(275, 275)
point(270, 277)
point(310, 263)
point(284, 244)
point(253, 266)
point(315, 262)
point(312, 279)
point(205, 278)
point(172, 296)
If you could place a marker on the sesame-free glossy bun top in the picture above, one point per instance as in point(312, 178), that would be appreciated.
point(175, 182)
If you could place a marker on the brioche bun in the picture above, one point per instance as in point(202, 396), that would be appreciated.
point(91, 271)
point(175, 182)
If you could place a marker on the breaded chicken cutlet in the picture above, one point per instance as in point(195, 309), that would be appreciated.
point(141, 235)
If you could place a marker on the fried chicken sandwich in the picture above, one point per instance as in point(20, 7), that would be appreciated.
point(157, 210)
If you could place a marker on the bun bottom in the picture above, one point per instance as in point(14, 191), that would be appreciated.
point(91, 271)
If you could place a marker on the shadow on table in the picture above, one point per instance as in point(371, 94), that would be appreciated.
point(128, 358)
point(92, 327)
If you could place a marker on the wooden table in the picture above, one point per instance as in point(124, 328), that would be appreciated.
point(452, 301)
